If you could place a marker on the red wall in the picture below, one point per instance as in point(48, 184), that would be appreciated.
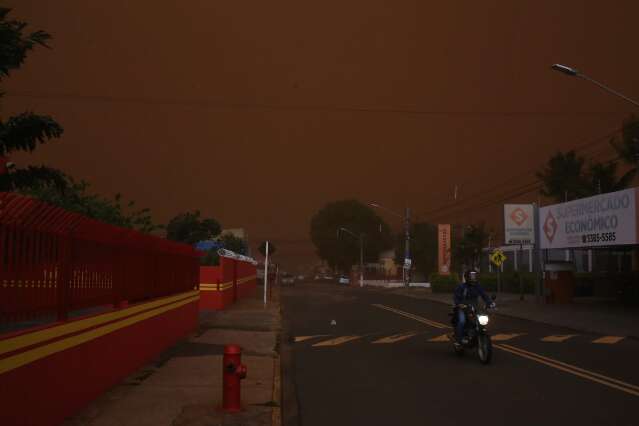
point(234, 283)
point(48, 390)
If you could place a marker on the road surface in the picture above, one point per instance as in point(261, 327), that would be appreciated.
point(368, 357)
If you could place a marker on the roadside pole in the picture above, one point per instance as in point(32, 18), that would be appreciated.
point(266, 274)
point(537, 256)
point(361, 260)
point(407, 265)
point(521, 282)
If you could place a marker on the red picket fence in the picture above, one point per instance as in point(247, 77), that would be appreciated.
point(53, 262)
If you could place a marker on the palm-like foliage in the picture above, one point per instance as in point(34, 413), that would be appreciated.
point(628, 146)
point(602, 178)
point(563, 177)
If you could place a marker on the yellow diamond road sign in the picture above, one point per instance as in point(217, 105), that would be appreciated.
point(498, 257)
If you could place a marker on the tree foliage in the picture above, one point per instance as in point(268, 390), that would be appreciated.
point(24, 131)
point(563, 177)
point(567, 177)
point(211, 258)
point(466, 250)
point(76, 198)
point(628, 146)
point(423, 247)
point(342, 253)
point(189, 228)
point(272, 249)
point(233, 243)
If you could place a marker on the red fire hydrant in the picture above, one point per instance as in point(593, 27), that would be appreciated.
point(233, 372)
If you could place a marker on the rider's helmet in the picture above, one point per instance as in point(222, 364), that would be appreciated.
point(472, 277)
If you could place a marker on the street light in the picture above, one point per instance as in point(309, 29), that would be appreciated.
point(361, 253)
point(574, 73)
point(406, 218)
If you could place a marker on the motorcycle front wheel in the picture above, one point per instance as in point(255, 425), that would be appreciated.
point(484, 348)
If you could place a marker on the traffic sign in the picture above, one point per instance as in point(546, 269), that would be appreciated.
point(407, 262)
point(498, 257)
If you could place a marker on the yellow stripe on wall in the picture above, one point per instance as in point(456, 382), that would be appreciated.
point(18, 342)
point(35, 354)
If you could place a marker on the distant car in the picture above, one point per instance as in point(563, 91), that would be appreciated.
point(288, 280)
point(328, 277)
point(344, 280)
point(300, 278)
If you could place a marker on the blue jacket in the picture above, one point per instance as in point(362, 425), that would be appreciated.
point(465, 293)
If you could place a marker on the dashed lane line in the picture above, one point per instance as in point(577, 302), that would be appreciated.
point(609, 340)
point(442, 338)
point(504, 337)
point(303, 338)
point(337, 341)
point(553, 363)
point(395, 338)
point(558, 338)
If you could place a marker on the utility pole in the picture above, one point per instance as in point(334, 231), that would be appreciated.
point(266, 273)
point(407, 258)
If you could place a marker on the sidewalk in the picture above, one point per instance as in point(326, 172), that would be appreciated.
point(587, 315)
point(183, 387)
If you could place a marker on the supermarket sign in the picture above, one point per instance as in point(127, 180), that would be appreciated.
point(603, 220)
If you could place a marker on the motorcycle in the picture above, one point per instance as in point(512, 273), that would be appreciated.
point(475, 333)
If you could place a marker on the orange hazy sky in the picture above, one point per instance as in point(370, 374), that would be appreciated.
point(258, 113)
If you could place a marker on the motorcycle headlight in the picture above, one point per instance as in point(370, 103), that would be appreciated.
point(483, 319)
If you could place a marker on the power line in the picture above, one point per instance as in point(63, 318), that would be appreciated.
point(213, 104)
point(483, 193)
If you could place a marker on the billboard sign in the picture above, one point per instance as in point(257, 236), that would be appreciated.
point(603, 220)
point(443, 243)
point(519, 227)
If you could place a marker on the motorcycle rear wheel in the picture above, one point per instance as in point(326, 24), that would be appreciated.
point(484, 348)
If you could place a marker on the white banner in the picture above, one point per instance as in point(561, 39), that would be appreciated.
point(603, 220)
point(518, 224)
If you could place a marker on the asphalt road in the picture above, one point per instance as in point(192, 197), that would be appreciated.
point(411, 376)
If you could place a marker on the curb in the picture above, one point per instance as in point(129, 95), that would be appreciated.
point(290, 403)
point(501, 314)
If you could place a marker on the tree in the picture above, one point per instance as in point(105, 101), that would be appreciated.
point(76, 198)
point(423, 247)
point(628, 146)
point(24, 131)
point(211, 258)
point(466, 251)
point(563, 177)
point(189, 228)
point(602, 178)
point(342, 253)
point(233, 243)
point(271, 249)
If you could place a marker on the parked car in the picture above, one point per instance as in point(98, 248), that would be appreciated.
point(344, 280)
point(301, 278)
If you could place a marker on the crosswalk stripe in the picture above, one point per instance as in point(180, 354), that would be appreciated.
point(504, 337)
point(303, 338)
point(395, 338)
point(608, 340)
point(558, 338)
point(337, 341)
point(442, 338)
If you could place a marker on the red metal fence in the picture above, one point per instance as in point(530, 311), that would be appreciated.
point(53, 262)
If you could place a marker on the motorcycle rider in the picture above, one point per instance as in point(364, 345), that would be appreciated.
point(467, 293)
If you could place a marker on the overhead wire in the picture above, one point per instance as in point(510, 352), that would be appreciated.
point(463, 204)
